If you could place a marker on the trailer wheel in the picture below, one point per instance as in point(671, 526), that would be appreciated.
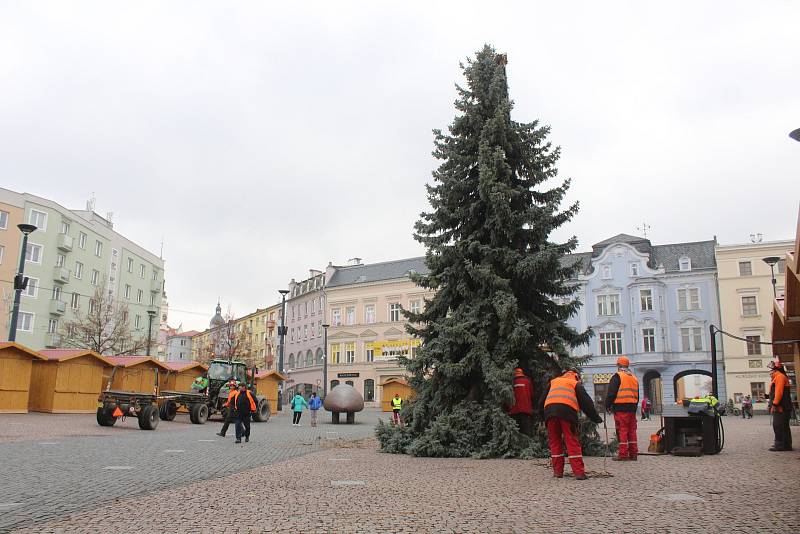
point(104, 418)
point(193, 413)
point(148, 417)
point(202, 414)
point(167, 411)
point(262, 411)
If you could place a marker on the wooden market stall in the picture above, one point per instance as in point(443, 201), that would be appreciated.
point(181, 375)
point(267, 385)
point(392, 386)
point(68, 381)
point(138, 374)
point(16, 363)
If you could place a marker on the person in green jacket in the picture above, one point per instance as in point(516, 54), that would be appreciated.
point(297, 404)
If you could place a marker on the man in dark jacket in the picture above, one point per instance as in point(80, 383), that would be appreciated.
point(780, 406)
point(622, 398)
point(559, 405)
point(245, 405)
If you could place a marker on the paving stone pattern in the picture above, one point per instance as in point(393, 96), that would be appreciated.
point(350, 487)
point(53, 465)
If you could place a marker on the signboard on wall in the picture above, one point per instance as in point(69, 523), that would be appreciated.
point(347, 375)
point(385, 351)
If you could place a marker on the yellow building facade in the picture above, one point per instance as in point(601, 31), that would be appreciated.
point(746, 296)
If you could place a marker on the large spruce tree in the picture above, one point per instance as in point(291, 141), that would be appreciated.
point(497, 275)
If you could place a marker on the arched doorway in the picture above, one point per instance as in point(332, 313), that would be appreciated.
point(652, 388)
point(692, 383)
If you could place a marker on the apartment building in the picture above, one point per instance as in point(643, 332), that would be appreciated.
point(303, 349)
point(69, 257)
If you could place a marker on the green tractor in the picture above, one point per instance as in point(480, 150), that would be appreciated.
point(205, 403)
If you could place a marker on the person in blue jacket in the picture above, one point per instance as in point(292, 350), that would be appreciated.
point(297, 407)
point(314, 404)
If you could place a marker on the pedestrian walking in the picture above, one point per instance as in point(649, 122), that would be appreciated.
point(622, 398)
point(560, 404)
point(780, 406)
point(397, 406)
point(230, 409)
point(314, 404)
point(522, 409)
point(245, 405)
point(297, 408)
point(645, 409)
point(747, 408)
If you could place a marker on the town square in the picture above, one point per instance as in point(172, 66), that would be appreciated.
point(399, 267)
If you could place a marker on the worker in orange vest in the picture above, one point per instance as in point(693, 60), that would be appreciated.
point(780, 406)
point(522, 409)
point(245, 405)
point(565, 396)
point(622, 398)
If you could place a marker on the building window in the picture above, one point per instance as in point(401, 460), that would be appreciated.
point(25, 322)
point(688, 299)
point(370, 354)
point(416, 306)
point(369, 390)
point(350, 352)
point(152, 299)
point(65, 227)
point(56, 293)
point(749, 306)
point(2, 253)
point(753, 346)
point(319, 328)
point(82, 240)
point(646, 299)
point(142, 271)
point(95, 276)
point(137, 321)
point(649, 339)
point(127, 291)
point(38, 219)
point(98, 248)
point(60, 259)
point(139, 295)
point(394, 312)
point(3, 220)
point(336, 352)
point(691, 339)
point(291, 335)
point(350, 315)
point(685, 264)
point(52, 326)
point(336, 317)
point(755, 364)
point(33, 253)
point(757, 390)
point(33, 288)
point(75, 302)
point(306, 305)
point(745, 268)
point(369, 314)
point(305, 331)
point(634, 269)
point(611, 343)
point(92, 305)
point(780, 267)
point(155, 274)
point(130, 265)
point(608, 304)
point(78, 270)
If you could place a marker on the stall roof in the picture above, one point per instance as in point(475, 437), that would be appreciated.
point(264, 374)
point(23, 348)
point(184, 366)
point(130, 361)
point(62, 355)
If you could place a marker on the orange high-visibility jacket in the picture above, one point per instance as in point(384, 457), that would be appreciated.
point(249, 397)
point(628, 389)
point(778, 388)
point(562, 391)
point(231, 395)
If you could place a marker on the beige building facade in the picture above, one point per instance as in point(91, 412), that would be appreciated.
point(367, 331)
point(746, 296)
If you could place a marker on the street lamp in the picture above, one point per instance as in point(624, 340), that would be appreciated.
point(771, 261)
point(325, 358)
point(795, 134)
point(20, 281)
point(150, 316)
point(281, 341)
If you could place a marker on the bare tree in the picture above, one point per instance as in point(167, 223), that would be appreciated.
point(102, 326)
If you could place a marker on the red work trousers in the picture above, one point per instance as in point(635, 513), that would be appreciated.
point(626, 434)
point(557, 429)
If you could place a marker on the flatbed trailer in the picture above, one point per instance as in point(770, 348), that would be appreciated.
point(112, 405)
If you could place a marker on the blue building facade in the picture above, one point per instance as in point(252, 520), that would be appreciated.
point(653, 304)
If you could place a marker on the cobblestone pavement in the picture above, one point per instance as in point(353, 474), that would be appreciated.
point(352, 488)
point(53, 465)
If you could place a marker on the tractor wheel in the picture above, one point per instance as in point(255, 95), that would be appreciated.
point(148, 417)
point(202, 414)
point(167, 411)
point(262, 411)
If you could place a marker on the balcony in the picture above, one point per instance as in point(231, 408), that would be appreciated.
point(65, 242)
point(53, 341)
point(155, 286)
point(61, 274)
point(270, 324)
point(58, 307)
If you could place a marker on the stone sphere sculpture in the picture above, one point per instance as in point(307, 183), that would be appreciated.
point(343, 399)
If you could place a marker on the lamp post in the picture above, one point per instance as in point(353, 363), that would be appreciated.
point(771, 261)
point(795, 134)
point(20, 282)
point(150, 315)
point(281, 341)
point(325, 358)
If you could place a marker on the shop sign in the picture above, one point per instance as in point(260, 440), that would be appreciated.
point(347, 375)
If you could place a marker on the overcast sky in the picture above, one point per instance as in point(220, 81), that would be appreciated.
point(261, 140)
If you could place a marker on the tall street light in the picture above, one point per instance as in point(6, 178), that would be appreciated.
point(20, 281)
point(151, 314)
point(325, 358)
point(795, 134)
point(771, 261)
point(281, 341)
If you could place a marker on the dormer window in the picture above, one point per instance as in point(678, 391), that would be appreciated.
point(634, 269)
point(685, 264)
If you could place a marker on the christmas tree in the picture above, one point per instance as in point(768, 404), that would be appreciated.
point(502, 293)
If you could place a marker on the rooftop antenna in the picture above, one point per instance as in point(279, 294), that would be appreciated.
point(91, 202)
point(756, 238)
point(643, 229)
